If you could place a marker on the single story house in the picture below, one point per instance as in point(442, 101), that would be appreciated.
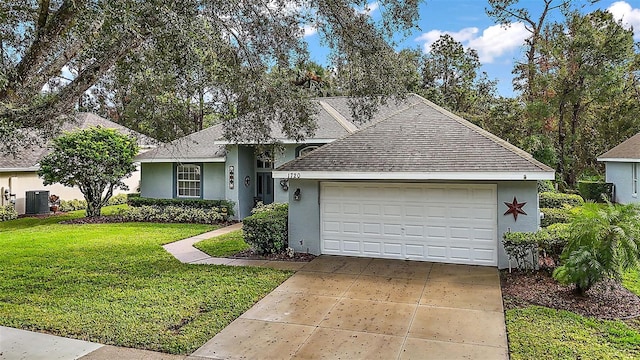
point(622, 167)
point(417, 182)
point(204, 165)
point(18, 174)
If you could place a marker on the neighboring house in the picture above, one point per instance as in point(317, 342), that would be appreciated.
point(18, 174)
point(417, 183)
point(622, 166)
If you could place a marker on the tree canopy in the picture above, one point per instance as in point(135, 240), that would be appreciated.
point(220, 47)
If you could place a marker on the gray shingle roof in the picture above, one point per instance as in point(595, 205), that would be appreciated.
point(28, 158)
point(628, 149)
point(421, 137)
point(198, 145)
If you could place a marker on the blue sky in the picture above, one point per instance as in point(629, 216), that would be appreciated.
point(468, 23)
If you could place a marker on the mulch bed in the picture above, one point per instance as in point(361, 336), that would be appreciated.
point(251, 255)
point(605, 300)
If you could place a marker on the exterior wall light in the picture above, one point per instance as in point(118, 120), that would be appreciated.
point(296, 195)
point(284, 184)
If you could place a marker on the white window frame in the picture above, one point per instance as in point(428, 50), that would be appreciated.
point(307, 149)
point(188, 181)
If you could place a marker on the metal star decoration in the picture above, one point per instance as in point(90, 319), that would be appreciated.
point(515, 208)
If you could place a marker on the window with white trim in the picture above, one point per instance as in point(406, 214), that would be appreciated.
point(188, 180)
point(634, 178)
point(307, 149)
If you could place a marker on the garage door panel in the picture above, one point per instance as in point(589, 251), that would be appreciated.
point(433, 222)
point(392, 249)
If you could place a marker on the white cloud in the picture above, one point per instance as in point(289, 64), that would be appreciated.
point(462, 36)
point(369, 8)
point(497, 40)
point(309, 30)
point(494, 41)
point(630, 17)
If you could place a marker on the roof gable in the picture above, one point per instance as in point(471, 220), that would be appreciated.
point(419, 138)
point(628, 150)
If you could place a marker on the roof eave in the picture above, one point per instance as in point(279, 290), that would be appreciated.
point(281, 141)
point(451, 175)
point(608, 159)
point(183, 160)
point(26, 169)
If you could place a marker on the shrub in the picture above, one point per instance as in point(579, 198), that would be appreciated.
point(118, 199)
point(138, 201)
point(522, 248)
point(171, 214)
point(8, 212)
point(552, 240)
point(266, 229)
point(559, 200)
point(603, 243)
point(72, 205)
point(546, 186)
point(598, 191)
point(555, 216)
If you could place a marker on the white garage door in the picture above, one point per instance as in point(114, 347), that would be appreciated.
point(451, 223)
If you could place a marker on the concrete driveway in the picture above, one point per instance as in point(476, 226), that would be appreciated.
point(357, 308)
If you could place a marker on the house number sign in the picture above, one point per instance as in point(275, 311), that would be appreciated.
point(293, 176)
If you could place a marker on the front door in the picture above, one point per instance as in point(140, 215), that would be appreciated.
point(264, 187)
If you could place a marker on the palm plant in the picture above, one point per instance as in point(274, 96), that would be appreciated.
point(604, 241)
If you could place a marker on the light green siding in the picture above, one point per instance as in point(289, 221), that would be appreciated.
point(156, 180)
point(213, 181)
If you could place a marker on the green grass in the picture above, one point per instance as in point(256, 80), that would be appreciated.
point(224, 245)
point(541, 333)
point(114, 284)
point(631, 280)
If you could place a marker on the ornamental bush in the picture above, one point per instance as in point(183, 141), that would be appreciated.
point(598, 191)
point(266, 230)
point(603, 243)
point(137, 201)
point(8, 212)
point(75, 204)
point(555, 216)
point(523, 247)
point(171, 214)
point(559, 200)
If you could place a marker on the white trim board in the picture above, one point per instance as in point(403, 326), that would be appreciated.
point(344, 175)
point(627, 160)
point(182, 160)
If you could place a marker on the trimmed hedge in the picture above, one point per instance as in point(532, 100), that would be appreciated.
point(8, 212)
point(75, 204)
point(137, 201)
point(520, 246)
point(546, 186)
point(171, 214)
point(266, 230)
point(555, 216)
point(559, 200)
point(596, 190)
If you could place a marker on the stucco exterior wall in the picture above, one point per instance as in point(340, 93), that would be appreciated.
point(523, 191)
point(213, 181)
point(289, 153)
point(242, 158)
point(21, 182)
point(621, 175)
point(157, 180)
point(304, 215)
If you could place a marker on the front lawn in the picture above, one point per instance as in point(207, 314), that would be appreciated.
point(223, 245)
point(114, 284)
point(541, 333)
point(631, 280)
